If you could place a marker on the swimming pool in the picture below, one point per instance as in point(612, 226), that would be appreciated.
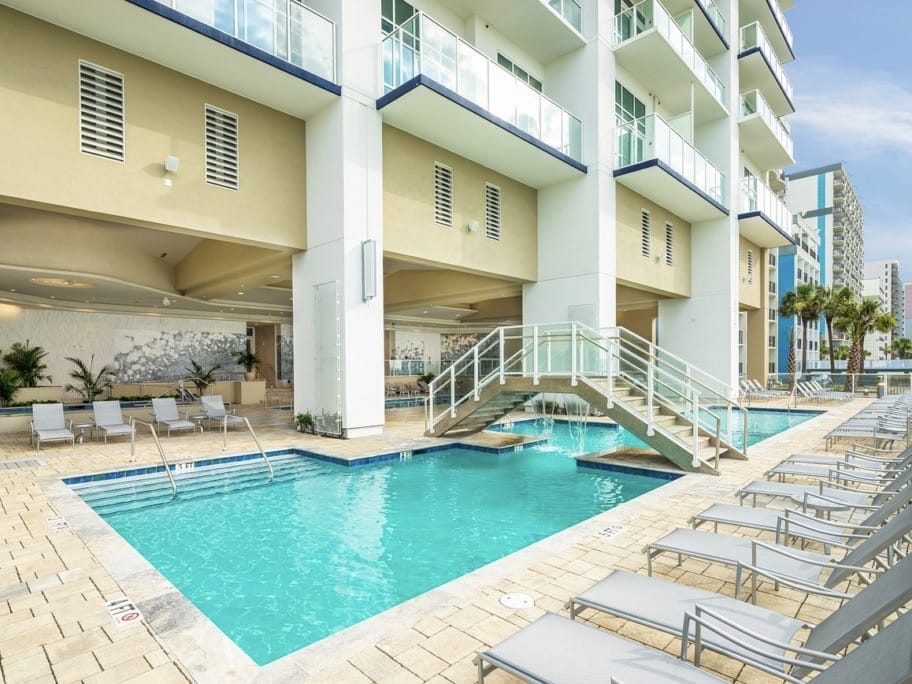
point(277, 567)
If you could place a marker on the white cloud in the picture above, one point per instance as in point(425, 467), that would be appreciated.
point(852, 109)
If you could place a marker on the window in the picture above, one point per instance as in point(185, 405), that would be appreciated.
point(492, 211)
point(443, 195)
point(750, 266)
point(669, 244)
point(393, 13)
point(630, 118)
point(521, 74)
point(221, 148)
point(101, 111)
point(644, 234)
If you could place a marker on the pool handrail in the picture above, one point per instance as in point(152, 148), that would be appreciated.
point(161, 452)
point(253, 434)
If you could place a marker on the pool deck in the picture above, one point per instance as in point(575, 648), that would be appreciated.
point(54, 625)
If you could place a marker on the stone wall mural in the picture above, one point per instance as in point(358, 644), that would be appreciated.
point(454, 345)
point(146, 355)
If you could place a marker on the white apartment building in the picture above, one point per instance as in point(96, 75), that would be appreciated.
point(907, 310)
point(355, 177)
point(889, 290)
point(877, 342)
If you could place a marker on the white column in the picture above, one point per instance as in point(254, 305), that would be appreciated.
point(344, 208)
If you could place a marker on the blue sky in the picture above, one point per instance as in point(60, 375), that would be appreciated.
point(852, 78)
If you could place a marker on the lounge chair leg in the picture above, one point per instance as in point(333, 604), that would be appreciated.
point(680, 560)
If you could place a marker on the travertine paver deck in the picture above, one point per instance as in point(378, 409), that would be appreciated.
point(54, 585)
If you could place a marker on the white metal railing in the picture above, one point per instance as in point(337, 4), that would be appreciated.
point(569, 10)
point(405, 366)
point(752, 36)
point(650, 137)
point(779, 16)
point(286, 29)
point(595, 358)
point(755, 196)
point(649, 14)
point(753, 103)
point(422, 46)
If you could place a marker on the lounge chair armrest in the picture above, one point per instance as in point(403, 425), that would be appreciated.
point(823, 564)
point(838, 473)
point(701, 623)
point(811, 497)
point(851, 455)
point(786, 527)
point(865, 447)
point(801, 585)
point(69, 424)
point(881, 467)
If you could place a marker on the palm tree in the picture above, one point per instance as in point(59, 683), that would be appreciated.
point(201, 377)
point(902, 348)
point(28, 362)
point(90, 384)
point(833, 300)
point(858, 319)
point(805, 303)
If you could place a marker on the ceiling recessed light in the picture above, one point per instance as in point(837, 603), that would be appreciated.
point(240, 292)
point(60, 282)
point(12, 289)
point(275, 276)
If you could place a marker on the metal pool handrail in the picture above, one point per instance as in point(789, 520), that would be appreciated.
point(161, 452)
point(252, 434)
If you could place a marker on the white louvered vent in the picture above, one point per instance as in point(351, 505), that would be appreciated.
point(492, 211)
point(101, 111)
point(644, 234)
point(750, 266)
point(669, 244)
point(221, 148)
point(443, 195)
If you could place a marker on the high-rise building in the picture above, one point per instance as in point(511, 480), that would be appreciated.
point(889, 289)
point(907, 310)
point(825, 196)
point(362, 183)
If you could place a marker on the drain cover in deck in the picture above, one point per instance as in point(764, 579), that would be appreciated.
point(516, 601)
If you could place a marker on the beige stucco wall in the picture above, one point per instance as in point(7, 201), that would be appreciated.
point(751, 294)
point(164, 116)
point(408, 212)
point(632, 267)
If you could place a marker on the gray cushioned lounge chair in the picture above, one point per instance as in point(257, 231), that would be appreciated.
point(49, 425)
point(215, 410)
point(110, 419)
point(766, 636)
point(166, 414)
point(776, 561)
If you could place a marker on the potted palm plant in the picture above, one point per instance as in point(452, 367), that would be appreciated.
point(90, 384)
point(201, 377)
point(249, 361)
point(28, 362)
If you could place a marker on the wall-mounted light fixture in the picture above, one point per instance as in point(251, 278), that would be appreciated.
point(472, 226)
point(172, 163)
point(368, 269)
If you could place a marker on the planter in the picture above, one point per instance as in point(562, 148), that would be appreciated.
point(250, 376)
point(47, 393)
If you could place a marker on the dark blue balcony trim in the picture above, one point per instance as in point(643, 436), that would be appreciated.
point(649, 163)
point(422, 80)
point(748, 53)
point(769, 3)
point(767, 219)
point(237, 44)
point(713, 24)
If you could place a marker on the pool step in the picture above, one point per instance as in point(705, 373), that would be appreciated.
point(118, 495)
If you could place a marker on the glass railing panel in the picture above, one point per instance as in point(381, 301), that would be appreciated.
point(286, 29)
point(649, 14)
point(714, 14)
point(755, 196)
point(780, 20)
point(753, 103)
point(570, 10)
point(650, 137)
point(752, 36)
point(422, 46)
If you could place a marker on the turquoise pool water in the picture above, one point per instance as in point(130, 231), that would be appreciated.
point(279, 566)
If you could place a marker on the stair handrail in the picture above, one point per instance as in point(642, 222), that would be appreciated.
point(161, 452)
point(224, 421)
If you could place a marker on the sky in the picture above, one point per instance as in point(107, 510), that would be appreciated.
point(853, 95)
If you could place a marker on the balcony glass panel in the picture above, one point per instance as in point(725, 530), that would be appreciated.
point(283, 28)
point(755, 196)
point(752, 36)
point(780, 19)
point(570, 11)
point(753, 103)
point(650, 137)
point(714, 14)
point(650, 14)
point(422, 46)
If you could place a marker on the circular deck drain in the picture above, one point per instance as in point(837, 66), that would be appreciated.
point(517, 601)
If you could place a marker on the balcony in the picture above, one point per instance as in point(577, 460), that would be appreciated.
point(440, 88)
point(709, 29)
point(279, 53)
point(768, 14)
point(761, 70)
point(651, 47)
point(544, 29)
point(764, 219)
point(653, 159)
point(763, 137)
point(772, 261)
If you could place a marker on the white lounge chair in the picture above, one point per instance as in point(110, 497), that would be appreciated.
point(766, 637)
point(215, 410)
point(49, 425)
point(110, 419)
point(166, 414)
